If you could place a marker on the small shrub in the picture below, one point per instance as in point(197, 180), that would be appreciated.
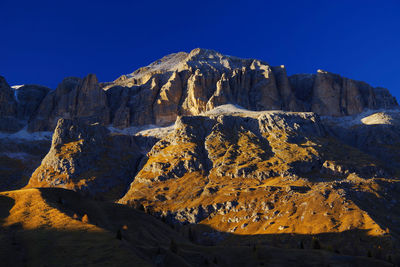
point(119, 234)
point(85, 219)
point(316, 244)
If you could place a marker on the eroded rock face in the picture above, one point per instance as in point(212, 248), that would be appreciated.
point(205, 79)
point(74, 98)
point(29, 97)
point(191, 84)
point(208, 161)
point(8, 107)
point(18, 105)
point(330, 94)
point(88, 159)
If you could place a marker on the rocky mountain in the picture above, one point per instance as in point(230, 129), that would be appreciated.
point(202, 159)
point(187, 84)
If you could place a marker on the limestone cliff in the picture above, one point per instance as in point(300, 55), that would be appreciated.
point(190, 84)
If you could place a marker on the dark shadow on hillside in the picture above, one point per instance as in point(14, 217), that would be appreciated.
point(384, 210)
point(18, 160)
point(11, 252)
point(171, 245)
point(336, 161)
point(6, 203)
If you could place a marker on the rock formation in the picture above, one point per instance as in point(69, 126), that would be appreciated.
point(74, 98)
point(88, 159)
point(251, 157)
point(8, 107)
point(190, 84)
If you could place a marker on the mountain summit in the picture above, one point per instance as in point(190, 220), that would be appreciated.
point(189, 84)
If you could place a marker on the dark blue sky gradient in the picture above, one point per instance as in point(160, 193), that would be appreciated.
point(43, 41)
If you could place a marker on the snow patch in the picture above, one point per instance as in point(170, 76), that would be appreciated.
point(158, 132)
point(228, 109)
point(17, 155)
point(232, 109)
point(145, 130)
point(25, 135)
point(16, 87)
point(367, 117)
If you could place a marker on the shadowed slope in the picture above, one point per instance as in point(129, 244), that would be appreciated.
point(57, 227)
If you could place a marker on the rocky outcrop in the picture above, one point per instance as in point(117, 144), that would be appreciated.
point(8, 107)
point(190, 84)
point(330, 94)
point(268, 172)
point(74, 98)
point(29, 97)
point(88, 159)
point(204, 79)
point(19, 104)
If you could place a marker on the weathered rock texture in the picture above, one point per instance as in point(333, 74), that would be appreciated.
point(190, 84)
point(265, 172)
point(18, 105)
point(88, 159)
point(74, 98)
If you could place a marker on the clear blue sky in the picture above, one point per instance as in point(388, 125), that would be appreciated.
point(43, 41)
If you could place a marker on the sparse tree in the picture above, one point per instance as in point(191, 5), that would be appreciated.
point(215, 260)
point(191, 235)
point(141, 207)
point(85, 219)
point(173, 246)
point(390, 258)
point(316, 244)
point(119, 234)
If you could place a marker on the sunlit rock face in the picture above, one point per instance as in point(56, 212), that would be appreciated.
point(88, 159)
point(195, 82)
point(187, 84)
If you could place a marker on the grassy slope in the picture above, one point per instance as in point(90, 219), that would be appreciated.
point(329, 206)
point(46, 227)
point(39, 234)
